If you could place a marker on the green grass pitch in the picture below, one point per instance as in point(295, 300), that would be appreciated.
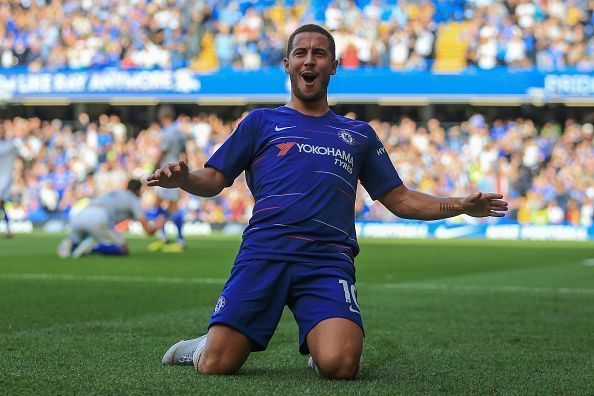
point(463, 317)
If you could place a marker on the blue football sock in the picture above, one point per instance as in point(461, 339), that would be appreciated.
point(178, 220)
point(109, 249)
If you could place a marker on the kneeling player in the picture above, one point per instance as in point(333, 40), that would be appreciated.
point(92, 229)
point(302, 164)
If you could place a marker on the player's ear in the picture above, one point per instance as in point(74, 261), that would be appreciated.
point(334, 67)
point(286, 62)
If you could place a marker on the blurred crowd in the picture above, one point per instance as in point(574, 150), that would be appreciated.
point(249, 34)
point(545, 171)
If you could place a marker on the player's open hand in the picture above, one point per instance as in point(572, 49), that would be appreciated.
point(483, 205)
point(170, 176)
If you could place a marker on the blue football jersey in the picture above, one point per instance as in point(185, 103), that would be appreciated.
point(303, 172)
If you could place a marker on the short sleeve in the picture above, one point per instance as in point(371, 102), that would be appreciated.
point(378, 174)
point(238, 151)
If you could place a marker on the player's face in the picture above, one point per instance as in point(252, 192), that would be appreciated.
point(310, 66)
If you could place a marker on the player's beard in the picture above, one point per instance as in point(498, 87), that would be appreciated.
point(313, 97)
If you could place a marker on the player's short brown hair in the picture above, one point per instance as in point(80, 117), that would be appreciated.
point(316, 29)
point(134, 185)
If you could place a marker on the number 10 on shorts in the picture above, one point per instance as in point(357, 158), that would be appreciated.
point(350, 296)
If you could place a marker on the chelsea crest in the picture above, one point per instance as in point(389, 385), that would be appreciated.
point(346, 137)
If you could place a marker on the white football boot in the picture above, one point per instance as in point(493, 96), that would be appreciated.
point(182, 352)
point(84, 248)
point(198, 352)
point(65, 248)
point(312, 364)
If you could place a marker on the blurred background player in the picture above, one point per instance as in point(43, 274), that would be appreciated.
point(8, 155)
point(92, 229)
point(171, 147)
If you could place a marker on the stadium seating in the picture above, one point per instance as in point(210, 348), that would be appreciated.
point(450, 48)
point(548, 35)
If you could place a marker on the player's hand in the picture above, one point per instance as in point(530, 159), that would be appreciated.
point(484, 205)
point(170, 176)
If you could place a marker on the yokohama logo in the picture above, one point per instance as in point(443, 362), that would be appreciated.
point(319, 150)
point(330, 151)
point(284, 148)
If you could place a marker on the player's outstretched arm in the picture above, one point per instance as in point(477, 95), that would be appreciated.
point(410, 204)
point(206, 182)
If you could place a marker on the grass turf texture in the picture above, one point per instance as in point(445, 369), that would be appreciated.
point(441, 316)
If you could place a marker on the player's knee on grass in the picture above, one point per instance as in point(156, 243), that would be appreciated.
point(225, 352)
point(336, 345)
point(219, 361)
point(338, 365)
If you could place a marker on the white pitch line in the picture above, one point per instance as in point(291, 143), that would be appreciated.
point(220, 281)
point(481, 288)
point(589, 262)
point(113, 278)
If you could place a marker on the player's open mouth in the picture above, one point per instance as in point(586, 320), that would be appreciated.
point(309, 78)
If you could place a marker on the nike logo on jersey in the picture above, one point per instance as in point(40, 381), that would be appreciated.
point(276, 128)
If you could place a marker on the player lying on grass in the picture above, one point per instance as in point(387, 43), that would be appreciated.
point(302, 164)
point(92, 229)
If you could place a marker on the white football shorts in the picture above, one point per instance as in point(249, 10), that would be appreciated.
point(94, 221)
point(168, 194)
